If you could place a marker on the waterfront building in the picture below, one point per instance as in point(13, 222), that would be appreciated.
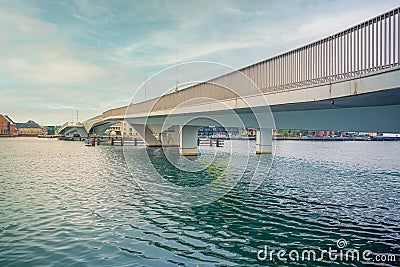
point(29, 128)
point(128, 130)
point(121, 128)
point(224, 131)
point(7, 126)
point(115, 130)
point(50, 130)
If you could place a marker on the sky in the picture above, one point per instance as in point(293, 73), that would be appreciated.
point(60, 57)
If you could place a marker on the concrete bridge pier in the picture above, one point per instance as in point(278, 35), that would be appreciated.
point(264, 141)
point(188, 140)
point(147, 135)
point(81, 132)
point(99, 130)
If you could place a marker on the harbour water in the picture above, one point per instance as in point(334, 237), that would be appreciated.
point(64, 204)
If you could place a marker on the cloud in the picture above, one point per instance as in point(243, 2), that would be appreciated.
point(162, 53)
point(59, 56)
point(89, 12)
point(20, 27)
point(53, 70)
point(323, 25)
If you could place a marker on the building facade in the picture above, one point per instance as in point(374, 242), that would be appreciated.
point(121, 129)
point(7, 126)
point(225, 131)
point(50, 130)
point(29, 128)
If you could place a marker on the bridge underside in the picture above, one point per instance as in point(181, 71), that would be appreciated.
point(371, 112)
point(99, 128)
point(374, 112)
point(72, 129)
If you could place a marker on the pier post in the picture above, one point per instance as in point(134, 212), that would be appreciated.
point(264, 141)
point(93, 142)
point(188, 141)
point(122, 141)
point(135, 141)
point(218, 142)
point(98, 141)
point(112, 141)
point(211, 141)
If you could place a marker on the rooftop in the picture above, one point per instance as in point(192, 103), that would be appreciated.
point(28, 124)
point(8, 118)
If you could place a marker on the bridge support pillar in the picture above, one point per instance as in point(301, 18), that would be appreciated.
point(150, 139)
point(264, 141)
point(147, 135)
point(188, 141)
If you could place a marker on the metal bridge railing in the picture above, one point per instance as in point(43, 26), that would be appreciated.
point(367, 47)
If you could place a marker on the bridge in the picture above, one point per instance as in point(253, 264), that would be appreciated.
point(347, 81)
point(70, 127)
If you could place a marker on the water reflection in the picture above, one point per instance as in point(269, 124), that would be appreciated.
point(66, 204)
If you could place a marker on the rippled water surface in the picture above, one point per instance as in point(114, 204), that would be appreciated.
point(63, 204)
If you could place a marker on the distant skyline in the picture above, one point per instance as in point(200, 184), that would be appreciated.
point(62, 56)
